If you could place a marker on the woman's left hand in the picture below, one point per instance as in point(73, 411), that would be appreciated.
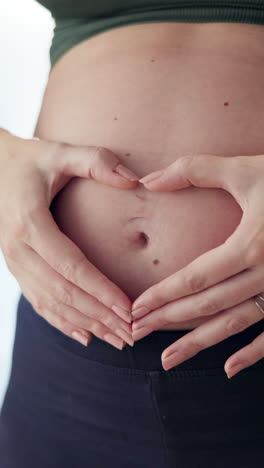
point(220, 283)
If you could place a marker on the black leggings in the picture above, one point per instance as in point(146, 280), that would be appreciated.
point(68, 406)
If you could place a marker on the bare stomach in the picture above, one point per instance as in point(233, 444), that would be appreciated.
point(152, 93)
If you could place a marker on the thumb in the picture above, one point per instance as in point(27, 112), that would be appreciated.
point(199, 170)
point(93, 162)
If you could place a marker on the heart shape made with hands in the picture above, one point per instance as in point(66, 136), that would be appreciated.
point(217, 287)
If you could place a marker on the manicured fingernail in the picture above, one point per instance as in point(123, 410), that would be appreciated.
point(125, 172)
point(79, 336)
point(137, 325)
point(125, 336)
point(139, 312)
point(138, 303)
point(234, 370)
point(166, 365)
point(170, 361)
point(151, 177)
point(113, 340)
point(138, 334)
point(125, 326)
point(123, 313)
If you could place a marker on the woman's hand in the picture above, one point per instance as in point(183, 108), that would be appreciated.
point(220, 283)
point(54, 275)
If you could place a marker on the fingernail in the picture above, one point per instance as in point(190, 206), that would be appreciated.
point(83, 332)
point(138, 334)
point(139, 312)
point(113, 340)
point(150, 177)
point(125, 172)
point(171, 361)
point(234, 370)
point(123, 313)
point(79, 336)
point(125, 336)
point(125, 326)
point(166, 365)
point(137, 325)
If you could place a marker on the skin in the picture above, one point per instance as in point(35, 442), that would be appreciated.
point(151, 93)
point(52, 271)
point(220, 283)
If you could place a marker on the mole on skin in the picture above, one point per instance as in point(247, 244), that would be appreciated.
point(156, 261)
point(226, 103)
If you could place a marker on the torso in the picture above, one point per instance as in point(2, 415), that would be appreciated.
point(152, 93)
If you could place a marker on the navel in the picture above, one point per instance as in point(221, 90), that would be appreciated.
point(143, 239)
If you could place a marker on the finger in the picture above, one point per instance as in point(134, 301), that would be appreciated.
point(92, 320)
point(216, 329)
point(205, 171)
point(143, 331)
point(245, 357)
point(56, 294)
point(157, 318)
point(69, 329)
point(95, 162)
point(96, 327)
point(69, 261)
point(62, 323)
point(221, 296)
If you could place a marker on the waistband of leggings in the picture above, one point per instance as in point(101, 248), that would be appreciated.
point(146, 353)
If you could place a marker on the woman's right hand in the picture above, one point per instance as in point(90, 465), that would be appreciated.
point(53, 273)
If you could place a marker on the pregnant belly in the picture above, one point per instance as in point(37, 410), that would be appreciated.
point(172, 90)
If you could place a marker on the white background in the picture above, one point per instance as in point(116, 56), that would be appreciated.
point(26, 30)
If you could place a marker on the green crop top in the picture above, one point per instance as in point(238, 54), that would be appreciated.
point(77, 20)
